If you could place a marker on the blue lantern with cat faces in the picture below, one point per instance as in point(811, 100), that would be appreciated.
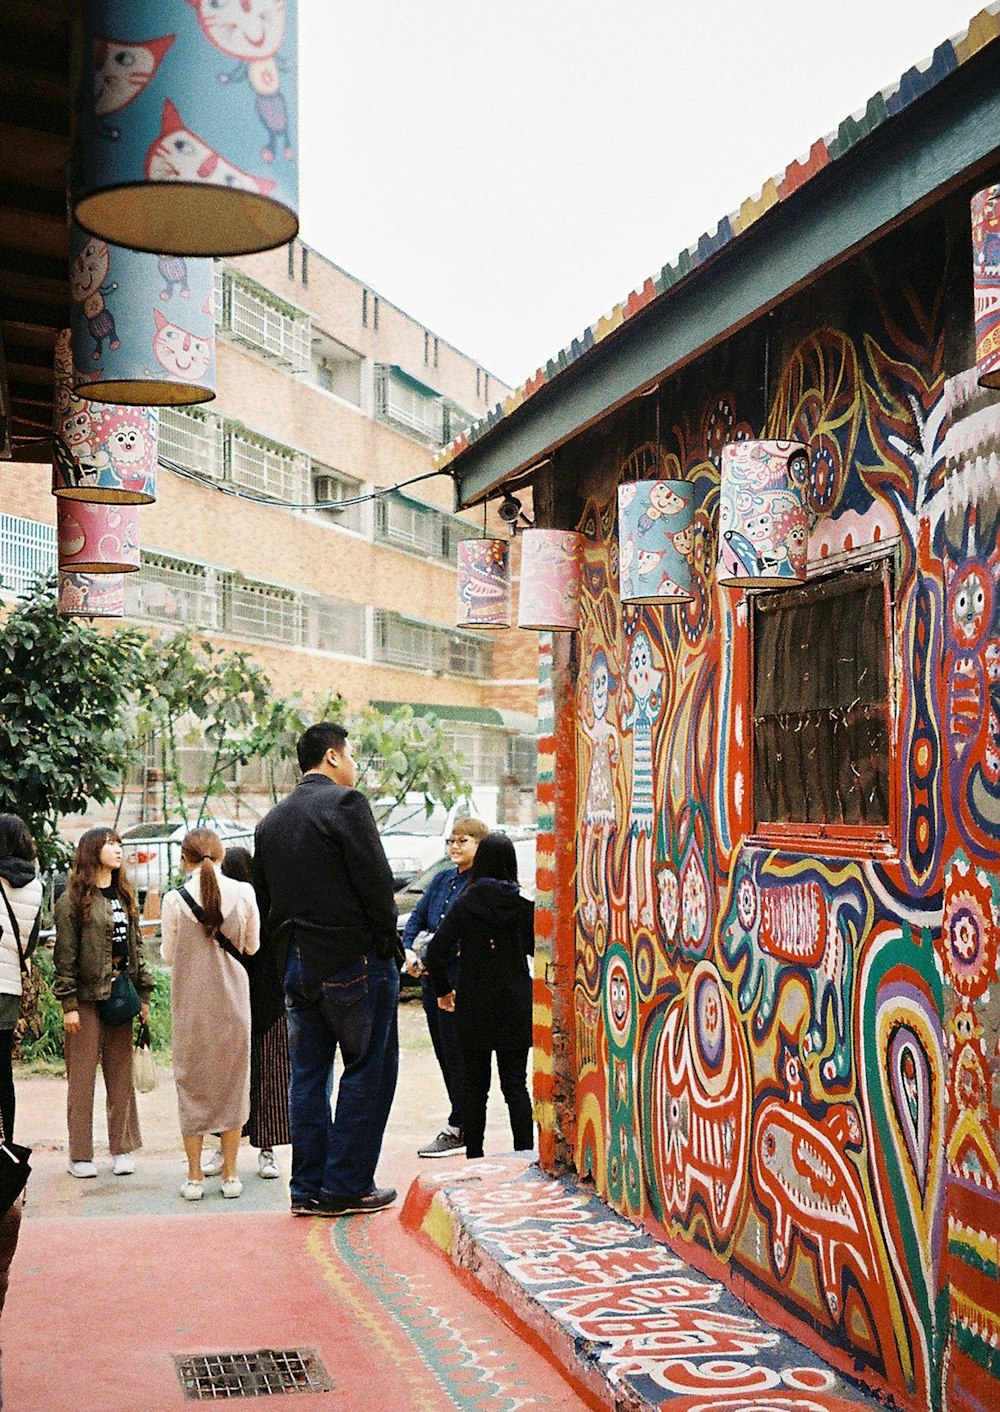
point(143, 327)
point(185, 136)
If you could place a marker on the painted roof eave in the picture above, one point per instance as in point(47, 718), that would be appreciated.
point(933, 144)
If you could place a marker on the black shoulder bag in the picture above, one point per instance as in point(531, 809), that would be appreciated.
point(199, 916)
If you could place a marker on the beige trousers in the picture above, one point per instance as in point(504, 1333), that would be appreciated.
point(113, 1047)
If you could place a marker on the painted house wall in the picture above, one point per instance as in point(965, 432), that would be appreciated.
point(785, 1059)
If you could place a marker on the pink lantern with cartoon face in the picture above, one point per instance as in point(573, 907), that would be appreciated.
point(91, 595)
point(97, 539)
point(986, 283)
point(763, 517)
point(551, 576)
point(484, 583)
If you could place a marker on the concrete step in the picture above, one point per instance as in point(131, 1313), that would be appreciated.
point(631, 1325)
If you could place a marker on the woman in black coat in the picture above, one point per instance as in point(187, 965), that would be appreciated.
point(491, 929)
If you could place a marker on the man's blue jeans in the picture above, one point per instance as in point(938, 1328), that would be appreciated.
point(335, 1157)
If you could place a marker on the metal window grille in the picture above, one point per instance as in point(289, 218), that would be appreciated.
point(409, 644)
point(331, 487)
point(171, 590)
point(261, 610)
point(421, 528)
point(464, 654)
point(193, 439)
point(408, 408)
point(220, 302)
point(27, 552)
point(334, 625)
point(265, 467)
point(252, 314)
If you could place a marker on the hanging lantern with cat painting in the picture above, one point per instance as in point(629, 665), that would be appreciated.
point(655, 541)
point(91, 595)
point(143, 326)
point(185, 137)
point(763, 517)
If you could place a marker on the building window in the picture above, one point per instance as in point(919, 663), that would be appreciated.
point(821, 704)
point(304, 261)
point(486, 387)
point(409, 525)
point(406, 643)
point(291, 259)
point(265, 323)
point(168, 590)
point(334, 625)
point(479, 382)
point(435, 352)
point(375, 313)
point(364, 308)
point(265, 467)
point(427, 347)
point(330, 489)
point(260, 610)
point(408, 405)
point(27, 552)
point(191, 439)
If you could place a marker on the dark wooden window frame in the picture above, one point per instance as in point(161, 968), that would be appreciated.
point(851, 839)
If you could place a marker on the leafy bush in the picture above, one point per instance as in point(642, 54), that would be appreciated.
point(47, 1049)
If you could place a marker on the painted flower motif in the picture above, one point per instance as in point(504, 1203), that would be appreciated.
point(969, 931)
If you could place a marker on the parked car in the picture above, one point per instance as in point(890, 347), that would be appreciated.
point(153, 850)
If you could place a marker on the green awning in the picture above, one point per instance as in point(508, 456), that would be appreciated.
point(481, 715)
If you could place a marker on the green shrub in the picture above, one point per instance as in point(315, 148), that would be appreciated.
point(47, 1049)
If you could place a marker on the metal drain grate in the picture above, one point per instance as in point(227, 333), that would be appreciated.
point(263, 1372)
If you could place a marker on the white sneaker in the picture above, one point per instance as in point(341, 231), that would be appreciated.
point(267, 1167)
point(82, 1169)
point(124, 1164)
point(211, 1165)
point(232, 1187)
point(193, 1191)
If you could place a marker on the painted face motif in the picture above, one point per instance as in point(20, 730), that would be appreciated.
point(758, 527)
point(245, 29)
point(641, 676)
point(180, 353)
point(123, 69)
point(599, 689)
point(179, 154)
point(76, 430)
point(89, 269)
point(618, 994)
point(683, 541)
point(969, 603)
point(647, 561)
point(662, 498)
point(127, 446)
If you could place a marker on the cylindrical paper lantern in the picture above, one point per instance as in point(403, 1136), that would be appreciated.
point(484, 583)
point(186, 136)
point(655, 541)
point(91, 595)
point(97, 539)
point(763, 518)
point(143, 326)
point(986, 283)
point(100, 452)
point(551, 572)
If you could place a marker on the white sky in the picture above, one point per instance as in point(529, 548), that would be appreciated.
point(507, 172)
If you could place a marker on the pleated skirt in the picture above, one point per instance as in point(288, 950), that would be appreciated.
point(270, 1072)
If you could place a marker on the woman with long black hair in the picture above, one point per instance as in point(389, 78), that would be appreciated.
point(98, 936)
point(491, 929)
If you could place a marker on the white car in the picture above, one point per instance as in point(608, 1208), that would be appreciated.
point(153, 851)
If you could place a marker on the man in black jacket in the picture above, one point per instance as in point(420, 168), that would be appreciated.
point(326, 895)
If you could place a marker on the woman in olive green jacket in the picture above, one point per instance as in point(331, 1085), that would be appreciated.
point(98, 934)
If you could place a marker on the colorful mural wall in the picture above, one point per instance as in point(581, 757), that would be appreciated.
point(786, 1058)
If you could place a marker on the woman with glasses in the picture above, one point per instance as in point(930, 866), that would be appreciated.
point(491, 931)
point(443, 889)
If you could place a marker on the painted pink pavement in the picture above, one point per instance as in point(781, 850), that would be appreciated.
point(631, 1324)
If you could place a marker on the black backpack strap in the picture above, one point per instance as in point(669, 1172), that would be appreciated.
point(199, 916)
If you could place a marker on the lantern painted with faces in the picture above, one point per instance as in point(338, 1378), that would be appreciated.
point(142, 326)
point(763, 518)
point(551, 576)
point(185, 138)
point(97, 539)
point(100, 452)
point(655, 541)
point(91, 595)
point(986, 283)
point(484, 599)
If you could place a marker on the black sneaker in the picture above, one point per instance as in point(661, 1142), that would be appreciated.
point(446, 1144)
point(376, 1200)
point(305, 1205)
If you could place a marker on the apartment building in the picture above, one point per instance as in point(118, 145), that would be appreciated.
point(266, 533)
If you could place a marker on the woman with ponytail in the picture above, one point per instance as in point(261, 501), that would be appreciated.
point(207, 925)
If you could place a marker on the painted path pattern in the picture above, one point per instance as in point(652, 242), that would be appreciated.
point(618, 1306)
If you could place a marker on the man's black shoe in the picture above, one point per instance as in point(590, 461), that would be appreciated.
point(376, 1200)
point(305, 1205)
